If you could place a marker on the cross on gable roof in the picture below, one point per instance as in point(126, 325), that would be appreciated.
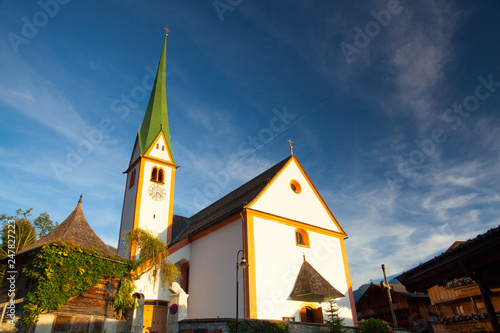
point(227, 206)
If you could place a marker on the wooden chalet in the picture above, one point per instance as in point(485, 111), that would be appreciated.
point(90, 312)
point(463, 283)
point(413, 310)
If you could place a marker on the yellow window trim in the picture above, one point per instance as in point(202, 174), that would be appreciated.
point(305, 237)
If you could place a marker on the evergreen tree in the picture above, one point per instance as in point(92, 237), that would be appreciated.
point(334, 324)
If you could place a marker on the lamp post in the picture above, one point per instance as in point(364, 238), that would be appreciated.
point(243, 264)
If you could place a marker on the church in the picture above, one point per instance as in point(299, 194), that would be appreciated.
point(270, 249)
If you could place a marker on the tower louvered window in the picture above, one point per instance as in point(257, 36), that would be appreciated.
point(158, 175)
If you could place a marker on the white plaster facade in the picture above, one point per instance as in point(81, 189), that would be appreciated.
point(212, 282)
point(280, 200)
point(278, 260)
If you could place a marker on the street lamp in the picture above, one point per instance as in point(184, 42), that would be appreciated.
point(243, 264)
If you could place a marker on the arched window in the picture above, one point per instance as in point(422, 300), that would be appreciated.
point(160, 176)
point(185, 277)
point(309, 314)
point(301, 237)
point(154, 174)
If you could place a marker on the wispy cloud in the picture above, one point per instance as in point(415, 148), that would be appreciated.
point(37, 98)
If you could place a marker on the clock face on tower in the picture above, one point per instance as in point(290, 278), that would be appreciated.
point(157, 192)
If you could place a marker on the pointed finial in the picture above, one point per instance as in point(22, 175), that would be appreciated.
point(304, 254)
point(167, 30)
point(291, 147)
point(81, 196)
point(161, 125)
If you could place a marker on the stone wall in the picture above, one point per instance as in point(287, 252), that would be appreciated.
point(220, 325)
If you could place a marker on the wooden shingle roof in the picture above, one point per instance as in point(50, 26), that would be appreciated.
point(77, 230)
point(478, 254)
point(227, 206)
point(311, 286)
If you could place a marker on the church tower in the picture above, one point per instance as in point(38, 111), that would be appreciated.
point(149, 190)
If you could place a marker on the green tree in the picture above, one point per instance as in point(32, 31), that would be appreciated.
point(16, 236)
point(124, 300)
point(334, 324)
point(18, 231)
point(42, 224)
point(153, 253)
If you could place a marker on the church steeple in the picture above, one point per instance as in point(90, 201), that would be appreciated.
point(156, 117)
point(149, 191)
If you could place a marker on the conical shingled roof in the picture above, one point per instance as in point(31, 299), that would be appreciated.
point(77, 230)
point(310, 286)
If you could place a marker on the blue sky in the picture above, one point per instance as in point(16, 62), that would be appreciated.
point(392, 108)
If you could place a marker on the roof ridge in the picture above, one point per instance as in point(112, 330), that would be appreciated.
point(240, 195)
point(230, 199)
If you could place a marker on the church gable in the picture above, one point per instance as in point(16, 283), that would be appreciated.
point(159, 149)
point(291, 195)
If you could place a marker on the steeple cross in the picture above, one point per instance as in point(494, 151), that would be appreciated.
point(167, 30)
point(291, 147)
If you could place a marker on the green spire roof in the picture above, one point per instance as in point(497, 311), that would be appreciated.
point(156, 117)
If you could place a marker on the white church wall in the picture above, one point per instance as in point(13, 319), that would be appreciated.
point(150, 291)
point(128, 211)
point(145, 287)
point(280, 200)
point(180, 256)
point(212, 281)
point(277, 263)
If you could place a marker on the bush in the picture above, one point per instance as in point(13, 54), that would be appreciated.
point(258, 326)
point(373, 325)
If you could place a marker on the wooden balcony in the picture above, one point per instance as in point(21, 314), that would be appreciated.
point(462, 327)
point(441, 294)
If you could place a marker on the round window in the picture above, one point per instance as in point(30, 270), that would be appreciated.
point(295, 186)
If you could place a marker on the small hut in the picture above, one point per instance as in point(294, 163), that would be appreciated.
point(90, 311)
